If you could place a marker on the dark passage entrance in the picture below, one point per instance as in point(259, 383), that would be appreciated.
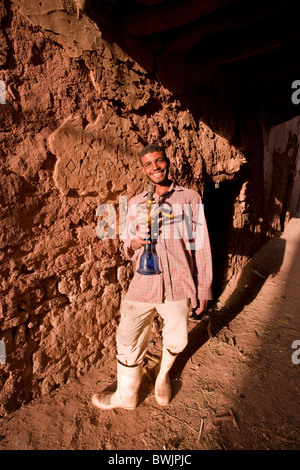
point(219, 210)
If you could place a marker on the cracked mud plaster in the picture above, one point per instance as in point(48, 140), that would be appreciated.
point(92, 159)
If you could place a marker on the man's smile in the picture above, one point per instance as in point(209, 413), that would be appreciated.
point(157, 173)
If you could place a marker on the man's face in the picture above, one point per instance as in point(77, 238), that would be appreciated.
point(155, 167)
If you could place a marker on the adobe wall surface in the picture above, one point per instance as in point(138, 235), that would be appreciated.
point(78, 110)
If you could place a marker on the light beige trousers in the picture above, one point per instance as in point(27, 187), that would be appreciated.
point(134, 330)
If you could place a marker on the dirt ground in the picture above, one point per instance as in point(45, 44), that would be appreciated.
point(236, 386)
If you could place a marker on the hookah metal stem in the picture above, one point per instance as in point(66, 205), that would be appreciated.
point(150, 191)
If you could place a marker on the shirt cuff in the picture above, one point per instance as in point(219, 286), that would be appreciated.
point(205, 293)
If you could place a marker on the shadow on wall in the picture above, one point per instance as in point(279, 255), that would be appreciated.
point(278, 192)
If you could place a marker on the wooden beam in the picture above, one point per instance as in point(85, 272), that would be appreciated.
point(241, 43)
point(170, 15)
point(149, 2)
point(259, 71)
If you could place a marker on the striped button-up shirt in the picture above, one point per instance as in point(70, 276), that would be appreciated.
point(182, 246)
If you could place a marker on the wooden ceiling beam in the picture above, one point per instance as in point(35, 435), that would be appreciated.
point(241, 43)
point(149, 2)
point(260, 71)
point(240, 15)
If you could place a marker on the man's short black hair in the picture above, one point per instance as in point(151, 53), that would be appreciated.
point(150, 148)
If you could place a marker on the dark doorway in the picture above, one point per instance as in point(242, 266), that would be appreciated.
point(218, 202)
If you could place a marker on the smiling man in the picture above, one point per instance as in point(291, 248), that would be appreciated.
point(183, 282)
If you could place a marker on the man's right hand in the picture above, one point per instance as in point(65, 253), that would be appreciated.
point(141, 239)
